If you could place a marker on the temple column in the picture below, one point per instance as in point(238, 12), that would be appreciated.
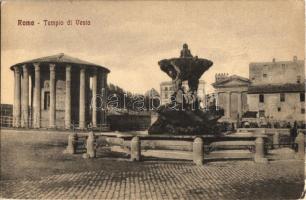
point(25, 97)
point(228, 109)
point(217, 100)
point(68, 98)
point(52, 97)
point(239, 102)
point(94, 99)
point(82, 99)
point(17, 98)
point(37, 96)
point(104, 96)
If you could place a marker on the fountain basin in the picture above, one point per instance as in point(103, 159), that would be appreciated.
point(190, 68)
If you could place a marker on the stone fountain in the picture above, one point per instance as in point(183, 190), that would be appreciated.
point(183, 115)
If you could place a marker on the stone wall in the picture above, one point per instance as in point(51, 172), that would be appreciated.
point(277, 72)
point(290, 109)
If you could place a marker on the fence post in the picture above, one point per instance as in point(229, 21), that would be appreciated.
point(276, 139)
point(135, 149)
point(90, 146)
point(198, 151)
point(260, 151)
point(300, 140)
point(72, 144)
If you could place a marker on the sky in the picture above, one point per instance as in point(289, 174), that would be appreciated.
point(130, 37)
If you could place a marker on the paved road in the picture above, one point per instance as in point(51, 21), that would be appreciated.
point(169, 180)
point(33, 166)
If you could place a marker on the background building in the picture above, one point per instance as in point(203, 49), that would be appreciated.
point(58, 91)
point(277, 90)
point(231, 95)
point(6, 115)
point(166, 90)
point(274, 92)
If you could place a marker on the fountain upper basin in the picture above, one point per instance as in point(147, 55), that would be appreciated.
point(191, 67)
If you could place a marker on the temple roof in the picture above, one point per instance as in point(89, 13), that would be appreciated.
point(223, 82)
point(269, 88)
point(60, 58)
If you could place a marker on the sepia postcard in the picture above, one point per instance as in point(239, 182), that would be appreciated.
point(152, 99)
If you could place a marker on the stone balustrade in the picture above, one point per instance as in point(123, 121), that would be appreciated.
point(199, 144)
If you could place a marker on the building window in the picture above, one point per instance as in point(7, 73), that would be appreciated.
point(279, 109)
point(298, 79)
point(46, 100)
point(282, 97)
point(303, 110)
point(166, 88)
point(264, 75)
point(302, 97)
point(261, 98)
point(166, 96)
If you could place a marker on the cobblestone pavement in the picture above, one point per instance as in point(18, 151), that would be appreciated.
point(33, 166)
point(169, 180)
